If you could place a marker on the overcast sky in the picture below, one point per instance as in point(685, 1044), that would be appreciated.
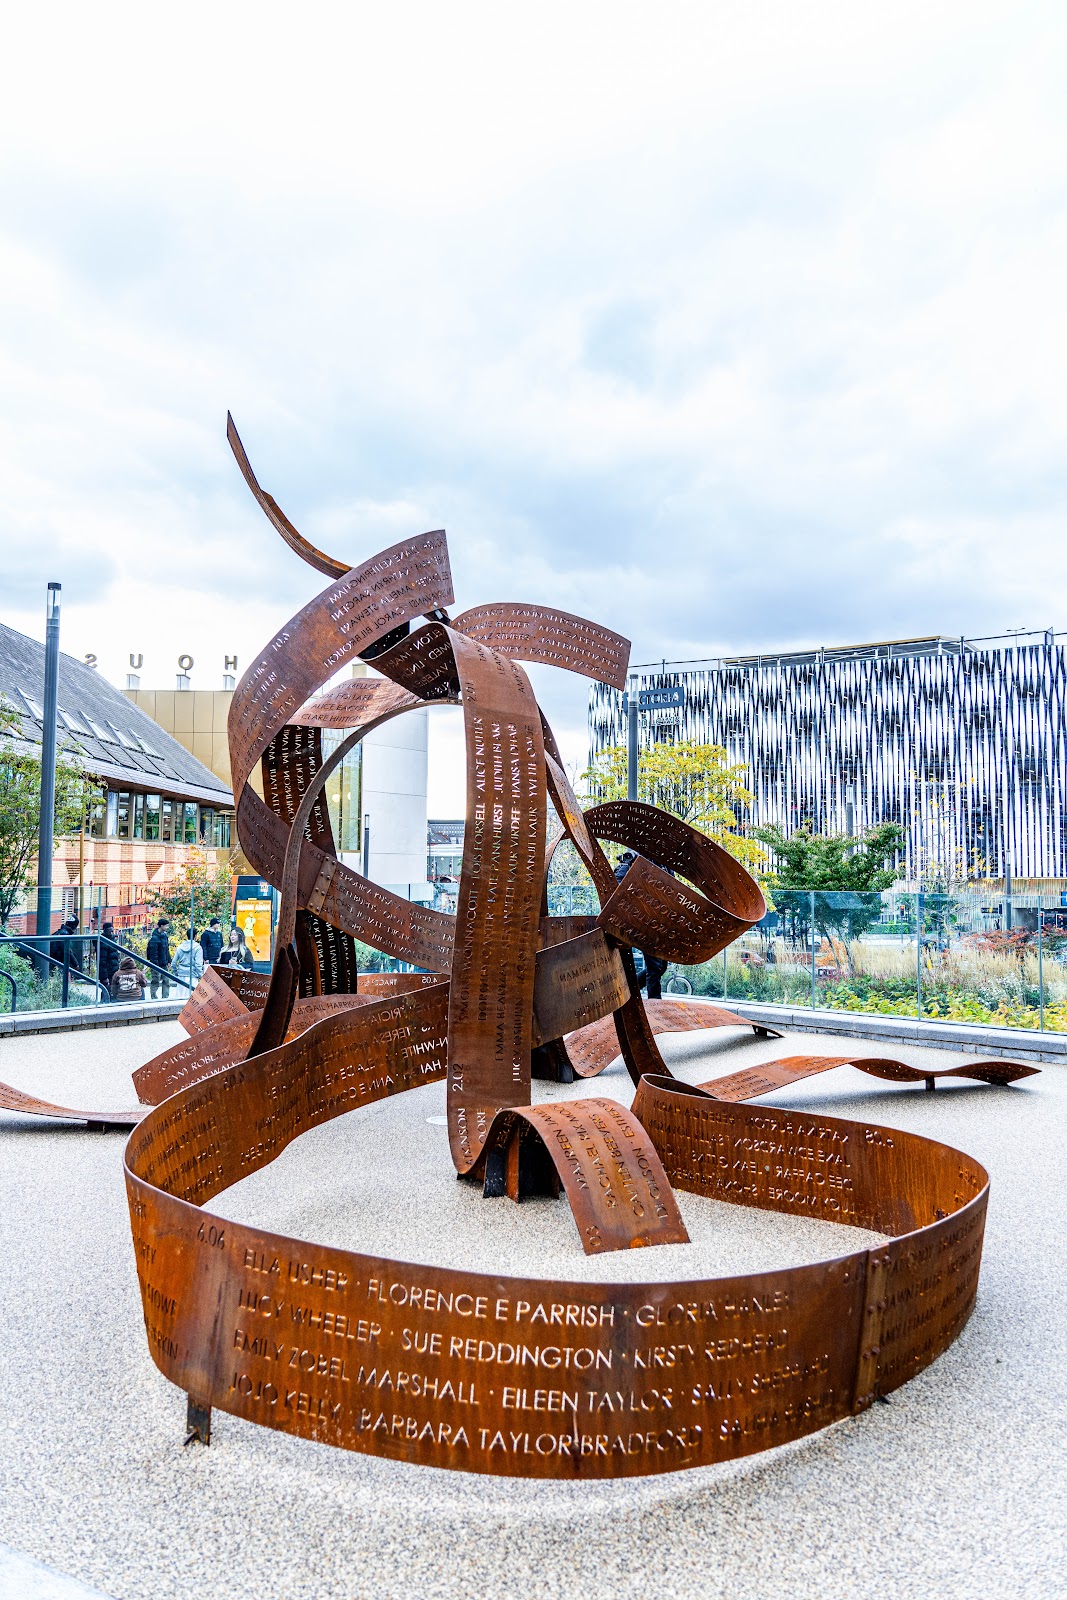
point(730, 326)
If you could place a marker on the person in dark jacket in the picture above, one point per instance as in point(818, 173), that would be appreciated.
point(128, 982)
point(109, 956)
point(624, 863)
point(211, 941)
point(73, 947)
point(158, 952)
point(654, 966)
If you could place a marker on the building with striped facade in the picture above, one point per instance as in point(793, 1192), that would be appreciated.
point(961, 741)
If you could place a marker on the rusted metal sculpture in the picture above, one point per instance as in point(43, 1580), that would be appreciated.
point(448, 1367)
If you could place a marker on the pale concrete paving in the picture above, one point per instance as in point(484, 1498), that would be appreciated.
point(956, 1487)
point(23, 1579)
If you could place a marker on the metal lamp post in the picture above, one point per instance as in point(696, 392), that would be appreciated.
point(635, 701)
point(46, 832)
point(631, 745)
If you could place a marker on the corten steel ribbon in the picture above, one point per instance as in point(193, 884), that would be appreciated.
point(531, 1377)
point(276, 516)
point(655, 911)
point(490, 1024)
point(771, 1075)
point(594, 1047)
point(12, 1099)
point(448, 1367)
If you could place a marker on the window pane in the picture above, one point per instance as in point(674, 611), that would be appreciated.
point(190, 821)
point(123, 828)
point(98, 818)
point(138, 816)
point(222, 830)
point(112, 813)
point(151, 820)
point(207, 817)
point(168, 818)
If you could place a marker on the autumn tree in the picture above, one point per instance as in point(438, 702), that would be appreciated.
point(199, 891)
point(695, 782)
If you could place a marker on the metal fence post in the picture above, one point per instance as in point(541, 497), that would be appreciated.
point(66, 971)
point(919, 955)
point(812, 893)
point(1041, 967)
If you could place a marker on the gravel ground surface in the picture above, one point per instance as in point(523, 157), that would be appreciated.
point(956, 1487)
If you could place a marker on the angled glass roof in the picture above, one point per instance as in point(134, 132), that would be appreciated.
point(122, 738)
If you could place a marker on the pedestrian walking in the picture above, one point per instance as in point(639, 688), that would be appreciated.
point(188, 963)
point(66, 949)
point(236, 953)
point(109, 956)
point(158, 953)
point(211, 941)
point(128, 981)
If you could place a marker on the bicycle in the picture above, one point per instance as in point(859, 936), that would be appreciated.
point(675, 982)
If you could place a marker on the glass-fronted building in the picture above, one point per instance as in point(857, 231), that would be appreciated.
point(963, 742)
point(155, 801)
point(444, 849)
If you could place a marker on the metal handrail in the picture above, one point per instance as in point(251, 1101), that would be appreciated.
point(142, 961)
point(29, 946)
point(33, 952)
point(14, 989)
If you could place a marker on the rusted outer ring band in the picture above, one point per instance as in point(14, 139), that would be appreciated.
point(531, 1377)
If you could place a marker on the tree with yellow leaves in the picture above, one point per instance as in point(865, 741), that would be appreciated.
point(695, 782)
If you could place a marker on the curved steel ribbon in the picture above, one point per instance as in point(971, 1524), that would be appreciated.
point(445, 1366)
point(657, 911)
point(490, 1021)
point(771, 1075)
point(526, 1376)
point(595, 1046)
point(12, 1099)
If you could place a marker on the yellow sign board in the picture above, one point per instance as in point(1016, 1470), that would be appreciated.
point(253, 918)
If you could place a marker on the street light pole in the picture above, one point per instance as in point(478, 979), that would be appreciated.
point(46, 832)
point(631, 743)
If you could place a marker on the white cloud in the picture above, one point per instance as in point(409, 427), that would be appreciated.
point(728, 326)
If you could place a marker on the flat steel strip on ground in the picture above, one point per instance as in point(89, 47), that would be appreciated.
point(771, 1075)
point(594, 1047)
point(12, 1099)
